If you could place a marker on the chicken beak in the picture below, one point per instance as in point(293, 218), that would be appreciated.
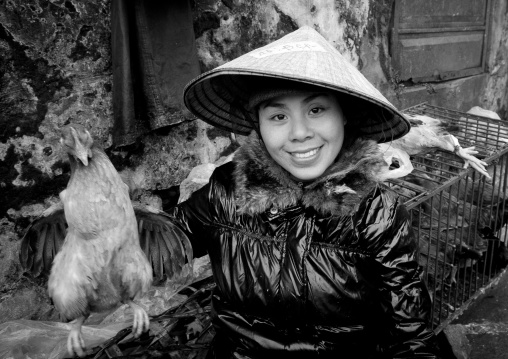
point(83, 157)
point(79, 150)
point(82, 154)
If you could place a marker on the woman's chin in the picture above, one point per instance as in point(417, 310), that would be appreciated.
point(306, 174)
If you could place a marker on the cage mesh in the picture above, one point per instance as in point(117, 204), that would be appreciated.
point(457, 214)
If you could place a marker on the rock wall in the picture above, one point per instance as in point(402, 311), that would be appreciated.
point(495, 95)
point(55, 67)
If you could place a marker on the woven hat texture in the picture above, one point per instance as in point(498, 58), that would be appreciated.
point(221, 96)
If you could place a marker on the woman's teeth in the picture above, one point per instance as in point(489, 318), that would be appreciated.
point(306, 154)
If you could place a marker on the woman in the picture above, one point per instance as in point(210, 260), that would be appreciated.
point(311, 254)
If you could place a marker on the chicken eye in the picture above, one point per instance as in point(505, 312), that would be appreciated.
point(65, 142)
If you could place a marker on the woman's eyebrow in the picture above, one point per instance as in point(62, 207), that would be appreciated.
point(275, 104)
point(314, 96)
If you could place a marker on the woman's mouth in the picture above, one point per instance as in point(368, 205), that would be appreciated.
point(307, 154)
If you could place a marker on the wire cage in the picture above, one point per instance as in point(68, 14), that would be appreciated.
point(458, 215)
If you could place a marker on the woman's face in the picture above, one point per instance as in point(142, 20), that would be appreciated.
point(303, 132)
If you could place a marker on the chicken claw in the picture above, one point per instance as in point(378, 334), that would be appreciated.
point(75, 342)
point(467, 154)
point(141, 321)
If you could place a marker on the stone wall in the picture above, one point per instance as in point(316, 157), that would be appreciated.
point(55, 67)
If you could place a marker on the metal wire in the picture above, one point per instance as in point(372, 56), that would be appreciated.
point(457, 215)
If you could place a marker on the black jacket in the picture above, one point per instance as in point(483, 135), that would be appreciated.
point(324, 269)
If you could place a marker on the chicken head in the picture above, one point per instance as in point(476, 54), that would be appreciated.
point(77, 142)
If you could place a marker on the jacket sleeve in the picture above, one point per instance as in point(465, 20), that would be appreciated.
point(196, 216)
point(394, 270)
point(192, 219)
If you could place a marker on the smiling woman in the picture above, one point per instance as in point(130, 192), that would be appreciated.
point(311, 254)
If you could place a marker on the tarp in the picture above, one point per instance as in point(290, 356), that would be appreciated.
point(48, 340)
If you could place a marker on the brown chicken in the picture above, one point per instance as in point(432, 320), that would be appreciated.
point(101, 263)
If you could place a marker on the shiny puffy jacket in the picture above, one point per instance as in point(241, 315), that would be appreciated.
point(321, 269)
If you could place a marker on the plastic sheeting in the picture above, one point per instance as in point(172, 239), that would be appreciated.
point(29, 339)
point(48, 340)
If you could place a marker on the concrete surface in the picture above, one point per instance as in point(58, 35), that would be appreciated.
point(481, 332)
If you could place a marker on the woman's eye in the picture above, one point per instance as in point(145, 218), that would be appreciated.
point(316, 110)
point(278, 117)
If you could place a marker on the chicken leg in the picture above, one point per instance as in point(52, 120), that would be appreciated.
point(75, 342)
point(141, 321)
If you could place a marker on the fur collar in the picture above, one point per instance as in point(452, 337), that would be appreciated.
point(261, 183)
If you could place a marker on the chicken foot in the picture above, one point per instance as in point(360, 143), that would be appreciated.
point(75, 342)
point(141, 321)
point(467, 154)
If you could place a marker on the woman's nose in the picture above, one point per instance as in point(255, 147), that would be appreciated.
point(300, 129)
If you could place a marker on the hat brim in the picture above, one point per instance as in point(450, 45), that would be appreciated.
point(220, 97)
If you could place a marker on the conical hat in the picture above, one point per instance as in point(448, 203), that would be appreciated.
point(220, 96)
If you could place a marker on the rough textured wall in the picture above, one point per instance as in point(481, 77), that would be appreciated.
point(55, 67)
point(495, 95)
point(227, 29)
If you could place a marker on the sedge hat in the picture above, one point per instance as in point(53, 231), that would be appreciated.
point(221, 96)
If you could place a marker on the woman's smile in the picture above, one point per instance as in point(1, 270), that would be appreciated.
point(305, 154)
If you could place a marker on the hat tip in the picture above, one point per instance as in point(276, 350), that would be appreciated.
point(306, 28)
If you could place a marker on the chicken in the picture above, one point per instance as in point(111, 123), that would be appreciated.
point(426, 135)
point(496, 257)
point(100, 263)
